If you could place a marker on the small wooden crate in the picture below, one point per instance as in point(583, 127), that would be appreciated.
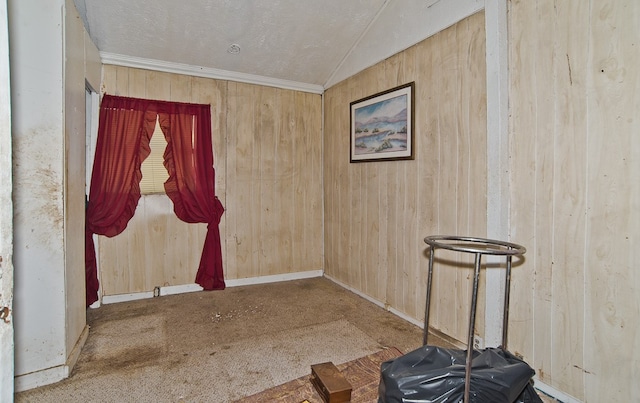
point(330, 383)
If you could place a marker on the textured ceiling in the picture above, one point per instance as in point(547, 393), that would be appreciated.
point(314, 43)
point(297, 40)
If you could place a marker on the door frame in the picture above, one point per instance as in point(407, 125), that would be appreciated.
point(6, 217)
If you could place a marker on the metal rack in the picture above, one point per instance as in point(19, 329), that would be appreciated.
point(478, 247)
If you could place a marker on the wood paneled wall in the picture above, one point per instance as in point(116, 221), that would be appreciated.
point(575, 193)
point(274, 181)
point(268, 152)
point(573, 178)
point(378, 213)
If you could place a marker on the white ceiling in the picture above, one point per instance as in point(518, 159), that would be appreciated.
point(313, 43)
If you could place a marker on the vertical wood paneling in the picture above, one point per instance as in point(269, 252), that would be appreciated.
point(427, 158)
point(440, 316)
point(158, 85)
point(340, 212)
point(568, 198)
point(409, 241)
point(180, 88)
point(378, 213)
point(448, 108)
point(267, 149)
point(476, 90)
point(240, 165)
point(525, 167)
point(109, 77)
point(463, 88)
point(540, 218)
point(538, 180)
point(276, 135)
point(266, 133)
point(464, 173)
point(391, 186)
point(284, 176)
point(137, 87)
point(329, 185)
point(350, 235)
point(612, 294)
point(575, 193)
point(302, 148)
point(312, 200)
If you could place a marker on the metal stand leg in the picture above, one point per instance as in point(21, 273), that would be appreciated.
point(472, 326)
point(479, 247)
point(505, 315)
point(426, 308)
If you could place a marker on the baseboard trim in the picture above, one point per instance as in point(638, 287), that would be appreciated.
point(368, 298)
point(553, 392)
point(40, 378)
point(112, 299)
point(75, 352)
point(178, 289)
point(54, 374)
point(276, 278)
point(539, 385)
point(376, 302)
point(185, 288)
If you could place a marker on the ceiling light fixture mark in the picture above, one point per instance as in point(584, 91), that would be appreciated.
point(234, 49)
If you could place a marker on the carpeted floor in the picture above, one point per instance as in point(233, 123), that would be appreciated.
point(223, 345)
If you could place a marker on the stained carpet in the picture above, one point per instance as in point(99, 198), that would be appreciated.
point(223, 346)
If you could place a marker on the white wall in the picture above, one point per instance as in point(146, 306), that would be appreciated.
point(35, 32)
point(48, 163)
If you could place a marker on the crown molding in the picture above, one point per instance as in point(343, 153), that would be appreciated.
point(207, 72)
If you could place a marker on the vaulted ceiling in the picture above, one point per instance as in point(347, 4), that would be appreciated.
point(313, 43)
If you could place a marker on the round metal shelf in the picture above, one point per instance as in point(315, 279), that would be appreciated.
point(475, 245)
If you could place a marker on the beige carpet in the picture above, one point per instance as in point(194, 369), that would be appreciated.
point(216, 374)
point(222, 346)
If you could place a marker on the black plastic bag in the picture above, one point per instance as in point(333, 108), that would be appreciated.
point(432, 374)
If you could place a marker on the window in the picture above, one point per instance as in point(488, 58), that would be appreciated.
point(154, 174)
point(191, 190)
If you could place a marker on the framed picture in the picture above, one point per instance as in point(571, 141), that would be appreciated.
point(382, 126)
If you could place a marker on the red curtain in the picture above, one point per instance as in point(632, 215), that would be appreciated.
point(191, 184)
point(123, 143)
point(125, 128)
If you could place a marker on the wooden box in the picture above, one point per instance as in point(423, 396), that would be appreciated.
point(331, 385)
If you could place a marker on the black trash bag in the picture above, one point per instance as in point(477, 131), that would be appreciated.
point(432, 374)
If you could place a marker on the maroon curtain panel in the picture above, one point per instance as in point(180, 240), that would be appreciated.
point(124, 131)
point(125, 128)
point(191, 184)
